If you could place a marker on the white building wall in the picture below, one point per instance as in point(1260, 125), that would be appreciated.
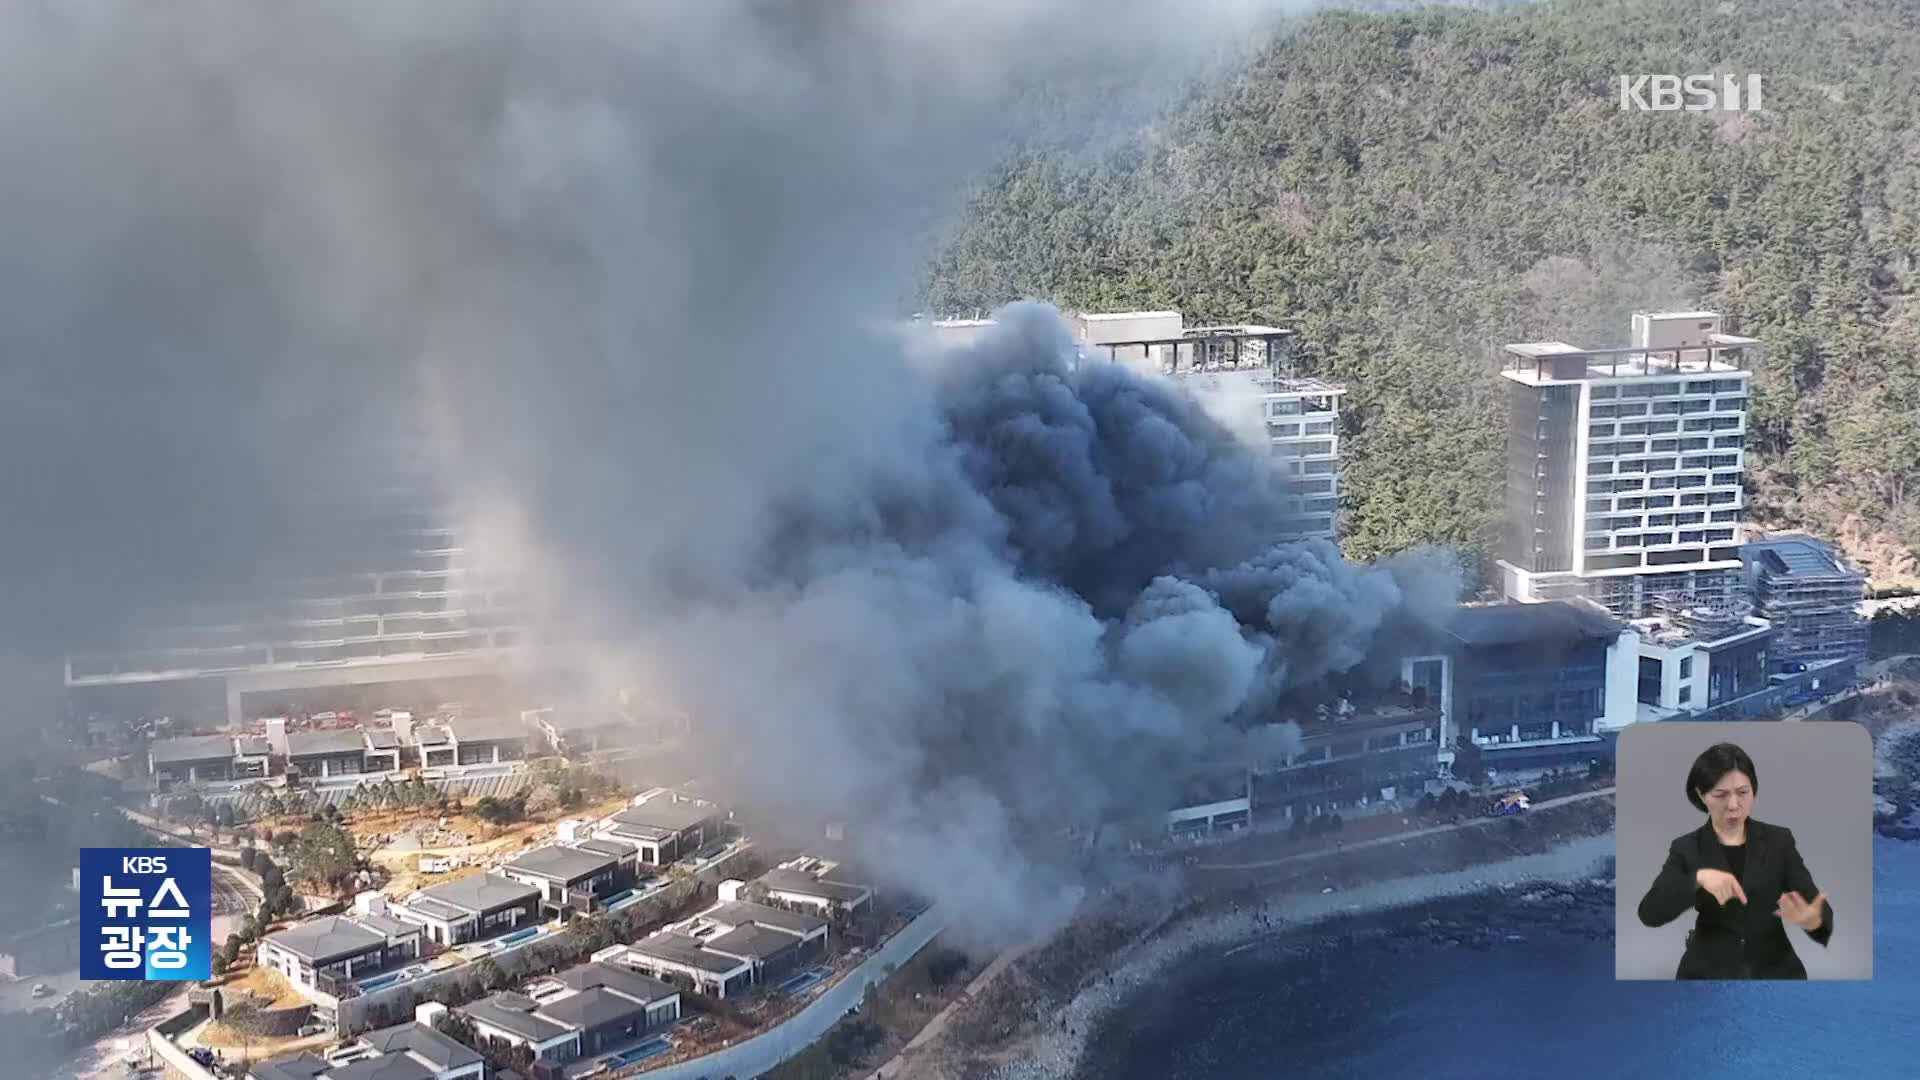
point(1623, 682)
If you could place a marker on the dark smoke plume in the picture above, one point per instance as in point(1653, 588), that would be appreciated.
point(619, 265)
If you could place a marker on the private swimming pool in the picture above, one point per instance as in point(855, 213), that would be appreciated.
point(519, 936)
point(651, 1048)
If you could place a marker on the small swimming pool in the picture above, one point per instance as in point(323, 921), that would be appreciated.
point(519, 936)
point(653, 1047)
point(803, 982)
point(381, 981)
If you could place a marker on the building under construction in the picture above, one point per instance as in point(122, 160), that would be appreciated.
point(1811, 596)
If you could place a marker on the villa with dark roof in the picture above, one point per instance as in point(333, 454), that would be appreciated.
point(325, 953)
point(663, 829)
point(413, 1051)
point(585, 1010)
point(471, 908)
point(570, 879)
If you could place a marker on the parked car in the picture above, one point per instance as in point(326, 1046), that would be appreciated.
point(1510, 804)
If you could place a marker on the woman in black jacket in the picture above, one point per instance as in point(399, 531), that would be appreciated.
point(1744, 880)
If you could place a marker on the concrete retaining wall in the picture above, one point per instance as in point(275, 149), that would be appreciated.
point(769, 1048)
point(173, 1060)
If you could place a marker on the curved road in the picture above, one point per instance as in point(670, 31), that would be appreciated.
point(1399, 837)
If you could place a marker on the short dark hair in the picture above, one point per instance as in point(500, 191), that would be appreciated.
point(1713, 763)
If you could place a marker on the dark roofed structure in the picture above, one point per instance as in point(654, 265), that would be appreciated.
point(615, 977)
point(473, 894)
point(592, 1008)
point(753, 942)
point(513, 1013)
point(384, 1067)
point(664, 814)
point(191, 748)
point(742, 913)
point(301, 1066)
point(796, 881)
point(324, 743)
point(381, 739)
point(561, 864)
point(681, 949)
point(253, 745)
point(489, 729)
point(325, 938)
point(441, 1051)
point(1492, 625)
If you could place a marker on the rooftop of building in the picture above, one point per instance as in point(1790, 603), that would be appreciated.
point(382, 739)
point(616, 977)
point(592, 1007)
point(327, 937)
point(805, 884)
point(665, 814)
point(472, 895)
point(324, 743)
point(744, 912)
point(471, 729)
point(423, 1042)
point(558, 863)
point(514, 1013)
point(1797, 556)
point(1492, 625)
point(1678, 621)
point(304, 1065)
point(753, 942)
point(253, 746)
point(685, 951)
point(191, 748)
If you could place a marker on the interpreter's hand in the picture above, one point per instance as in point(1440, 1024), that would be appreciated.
point(1805, 914)
point(1724, 886)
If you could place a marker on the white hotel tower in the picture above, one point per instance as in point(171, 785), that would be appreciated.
point(1624, 465)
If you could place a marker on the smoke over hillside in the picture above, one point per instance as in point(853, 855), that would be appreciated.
point(616, 260)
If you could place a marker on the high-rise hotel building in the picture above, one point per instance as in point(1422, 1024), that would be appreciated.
point(1625, 466)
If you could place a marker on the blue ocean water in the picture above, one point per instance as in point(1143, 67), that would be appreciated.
point(1545, 1006)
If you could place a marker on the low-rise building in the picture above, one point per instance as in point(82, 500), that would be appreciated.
point(326, 953)
point(485, 740)
point(194, 759)
point(403, 1052)
point(1696, 656)
point(685, 961)
point(803, 938)
point(570, 879)
point(382, 750)
point(588, 1009)
point(322, 754)
point(663, 829)
point(576, 731)
point(252, 756)
point(806, 882)
point(471, 908)
point(1351, 756)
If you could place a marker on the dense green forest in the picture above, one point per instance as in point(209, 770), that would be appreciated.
point(1412, 190)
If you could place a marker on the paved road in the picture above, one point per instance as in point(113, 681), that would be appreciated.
point(1395, 838)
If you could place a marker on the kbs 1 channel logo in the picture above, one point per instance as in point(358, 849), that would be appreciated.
point(146, 914)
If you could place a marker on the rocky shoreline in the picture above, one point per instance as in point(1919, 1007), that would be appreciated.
point(1568, 889)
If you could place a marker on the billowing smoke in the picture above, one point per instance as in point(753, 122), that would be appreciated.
point(619, 262)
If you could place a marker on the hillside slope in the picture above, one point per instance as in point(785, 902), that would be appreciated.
point(1412, 190)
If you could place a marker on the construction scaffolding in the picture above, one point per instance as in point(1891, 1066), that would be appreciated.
point(1812, 597)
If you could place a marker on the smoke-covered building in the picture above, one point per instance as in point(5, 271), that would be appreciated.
point(1352, 755)
point(1530, 686)
point(1624, 465)
point(1245, 377)
point(419, 612)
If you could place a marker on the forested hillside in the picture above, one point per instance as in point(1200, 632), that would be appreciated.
point(1412, 190)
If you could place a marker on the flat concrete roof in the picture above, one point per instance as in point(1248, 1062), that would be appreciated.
point(663, 813)
point(325, 743)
